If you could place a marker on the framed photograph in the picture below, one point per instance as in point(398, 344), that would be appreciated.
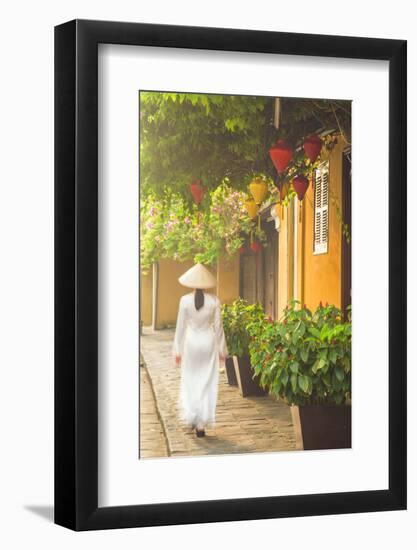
point(230, 284)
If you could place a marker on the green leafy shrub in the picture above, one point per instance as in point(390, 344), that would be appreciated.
point(305, 357)
point(236, 319)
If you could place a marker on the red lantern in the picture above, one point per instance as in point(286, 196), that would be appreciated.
point(281, 155)
point(197, 191)
point(256, 247)
point(300, 184)
point(312, 147)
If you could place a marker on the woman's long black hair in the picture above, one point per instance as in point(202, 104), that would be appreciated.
point(198, 298)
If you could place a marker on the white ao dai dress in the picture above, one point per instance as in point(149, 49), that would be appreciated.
point(199, 339)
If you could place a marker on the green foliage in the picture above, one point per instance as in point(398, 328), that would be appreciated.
point(186, 136)
point(189, 136)
point(304, 358)
point(236, 319)
point(301, 117)
point(220, 139)
point(172, 227)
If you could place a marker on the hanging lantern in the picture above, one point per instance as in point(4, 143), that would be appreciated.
point(197, 191)
point(283, 190)
point(252, 208)
point(300, 184)
point(258, 189)
point(256, 247)
point(312, 147)
point(281, 155)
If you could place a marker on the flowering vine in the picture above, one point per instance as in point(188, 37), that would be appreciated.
point(173, 228)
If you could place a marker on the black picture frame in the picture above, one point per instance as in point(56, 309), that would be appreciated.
point(76, 272)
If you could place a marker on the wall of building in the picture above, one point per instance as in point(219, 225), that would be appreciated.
point(283, 261)
point(320, 278)
point(228, 279)
point(169, 291)
point(302, 275)
point(146, 298)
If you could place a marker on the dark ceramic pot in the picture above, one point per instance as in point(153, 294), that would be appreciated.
point(326, 426)
point(244, 376)
point(230, 372)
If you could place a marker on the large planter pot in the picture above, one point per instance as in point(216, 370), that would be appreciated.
point(325, 426)
point(230, 372)
point(244, 376)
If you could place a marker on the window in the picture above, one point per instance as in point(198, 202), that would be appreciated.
point(321, 209)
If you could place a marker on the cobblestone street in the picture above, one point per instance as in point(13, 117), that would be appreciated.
point(243, 424)
point(152, 438)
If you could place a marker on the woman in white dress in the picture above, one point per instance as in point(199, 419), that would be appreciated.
point(199, 347)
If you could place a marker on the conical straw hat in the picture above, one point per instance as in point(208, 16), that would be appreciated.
point(198, 276)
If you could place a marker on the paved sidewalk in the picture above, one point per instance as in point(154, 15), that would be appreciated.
point(243, 424)
point(152, 439)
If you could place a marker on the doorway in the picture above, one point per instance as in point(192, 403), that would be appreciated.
point(258, 272)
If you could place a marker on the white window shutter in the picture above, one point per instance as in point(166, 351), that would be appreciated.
point(321, 209)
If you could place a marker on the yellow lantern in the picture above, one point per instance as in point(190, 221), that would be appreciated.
point(283, 192)
point(252, 208)
point(259, 189)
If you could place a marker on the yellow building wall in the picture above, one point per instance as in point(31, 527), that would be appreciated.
point(320, 274)
point(283, 261)
point(169, 291)
point(307, 277)
point(228, 279)
point(146, 298)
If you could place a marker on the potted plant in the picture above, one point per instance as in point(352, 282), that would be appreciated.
point(228, 327)
point(236, 318)
point(305, 359)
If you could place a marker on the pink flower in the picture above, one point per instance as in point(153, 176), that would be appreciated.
point(187, 220)
point(152, 211)
point(149, 225)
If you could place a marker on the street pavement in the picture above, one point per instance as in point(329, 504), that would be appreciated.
point(243, 424)
point(151, 434)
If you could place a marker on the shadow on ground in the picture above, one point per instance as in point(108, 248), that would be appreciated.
point(45, 512)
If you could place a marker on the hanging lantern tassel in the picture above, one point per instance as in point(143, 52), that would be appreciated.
point(283, 192)
point(299, 211)
point(300, 184)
